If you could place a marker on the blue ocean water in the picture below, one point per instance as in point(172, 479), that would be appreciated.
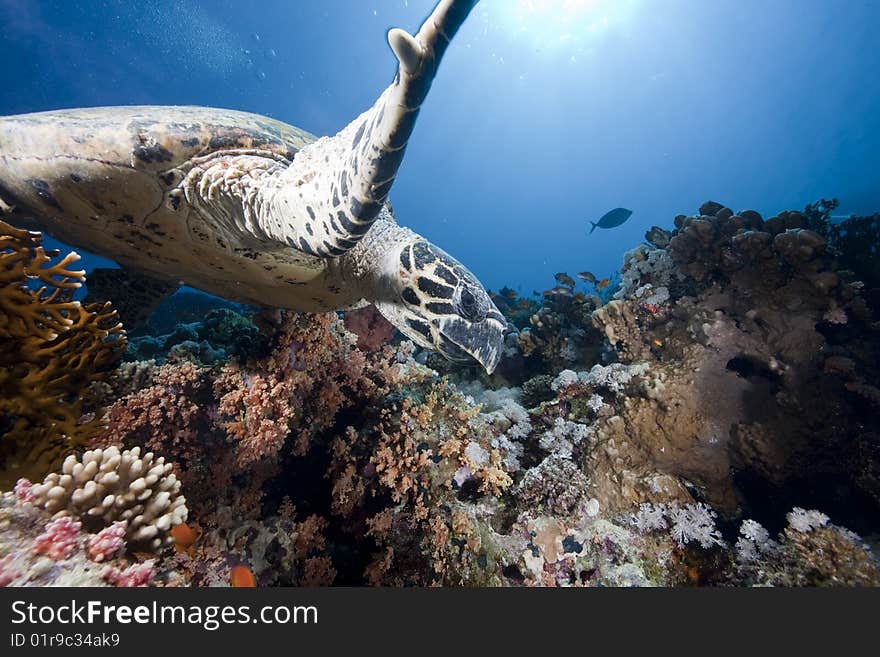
point(546, 113)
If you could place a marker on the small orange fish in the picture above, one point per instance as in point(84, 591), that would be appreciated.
point(601, 285)
point(241, 577)
point(657, 343)
point(184, 536)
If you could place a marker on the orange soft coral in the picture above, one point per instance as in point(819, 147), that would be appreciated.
point(52, 348)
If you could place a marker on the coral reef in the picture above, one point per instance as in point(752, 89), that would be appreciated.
point(740, 344)
point(560, 335)
point(233, 420)
point(53, 349)
point(810, 552)
point(222, 334)
point(670, 428)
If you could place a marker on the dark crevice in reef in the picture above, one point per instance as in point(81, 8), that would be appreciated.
point(303, 480)
point(752, 368)
point(768, 502)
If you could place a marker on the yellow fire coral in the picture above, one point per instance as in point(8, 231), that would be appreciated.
point(52, 348)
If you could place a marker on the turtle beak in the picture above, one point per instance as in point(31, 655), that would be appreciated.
point(479, 341)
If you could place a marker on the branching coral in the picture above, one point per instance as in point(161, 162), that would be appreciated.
point(52, 348)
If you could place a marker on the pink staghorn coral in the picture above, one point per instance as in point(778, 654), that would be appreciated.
point(59, 540)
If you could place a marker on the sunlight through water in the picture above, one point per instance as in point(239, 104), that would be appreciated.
point(561, 25)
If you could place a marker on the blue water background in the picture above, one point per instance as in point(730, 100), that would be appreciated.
point(539, 121)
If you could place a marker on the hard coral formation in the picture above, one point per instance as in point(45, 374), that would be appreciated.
point(561, 334)
point(738, 351)
point(52, 350)
point(219, 335)
point(109, 486)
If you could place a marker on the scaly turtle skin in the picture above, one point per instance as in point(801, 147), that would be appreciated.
point(250, 209)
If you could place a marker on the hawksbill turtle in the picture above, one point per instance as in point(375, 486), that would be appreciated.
point(251, 209)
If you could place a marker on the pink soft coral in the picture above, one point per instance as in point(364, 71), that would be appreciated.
point(139, 574)
point(59, 540)
point(297, 389)
point(217, 425)
point(8, 572)
point(167, 416)
point(23, 490)
point(108, 542)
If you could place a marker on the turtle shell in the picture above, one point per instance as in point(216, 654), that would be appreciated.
point(103, 179)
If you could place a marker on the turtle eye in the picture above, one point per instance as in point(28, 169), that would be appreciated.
point(469, 306)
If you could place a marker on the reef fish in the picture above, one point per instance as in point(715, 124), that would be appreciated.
point(658, 237)
point(601, 285)
point(587, 277)
point(184, 536)
point(565, 280)
point(612, 219)
point(242, 577)
point(508, 293)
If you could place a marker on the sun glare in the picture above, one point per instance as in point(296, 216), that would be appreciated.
point(550, 24)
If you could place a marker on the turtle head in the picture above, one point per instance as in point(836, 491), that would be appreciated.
point(436, 302)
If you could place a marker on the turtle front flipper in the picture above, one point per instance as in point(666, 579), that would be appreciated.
point(336, 187)
point(134, 295)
